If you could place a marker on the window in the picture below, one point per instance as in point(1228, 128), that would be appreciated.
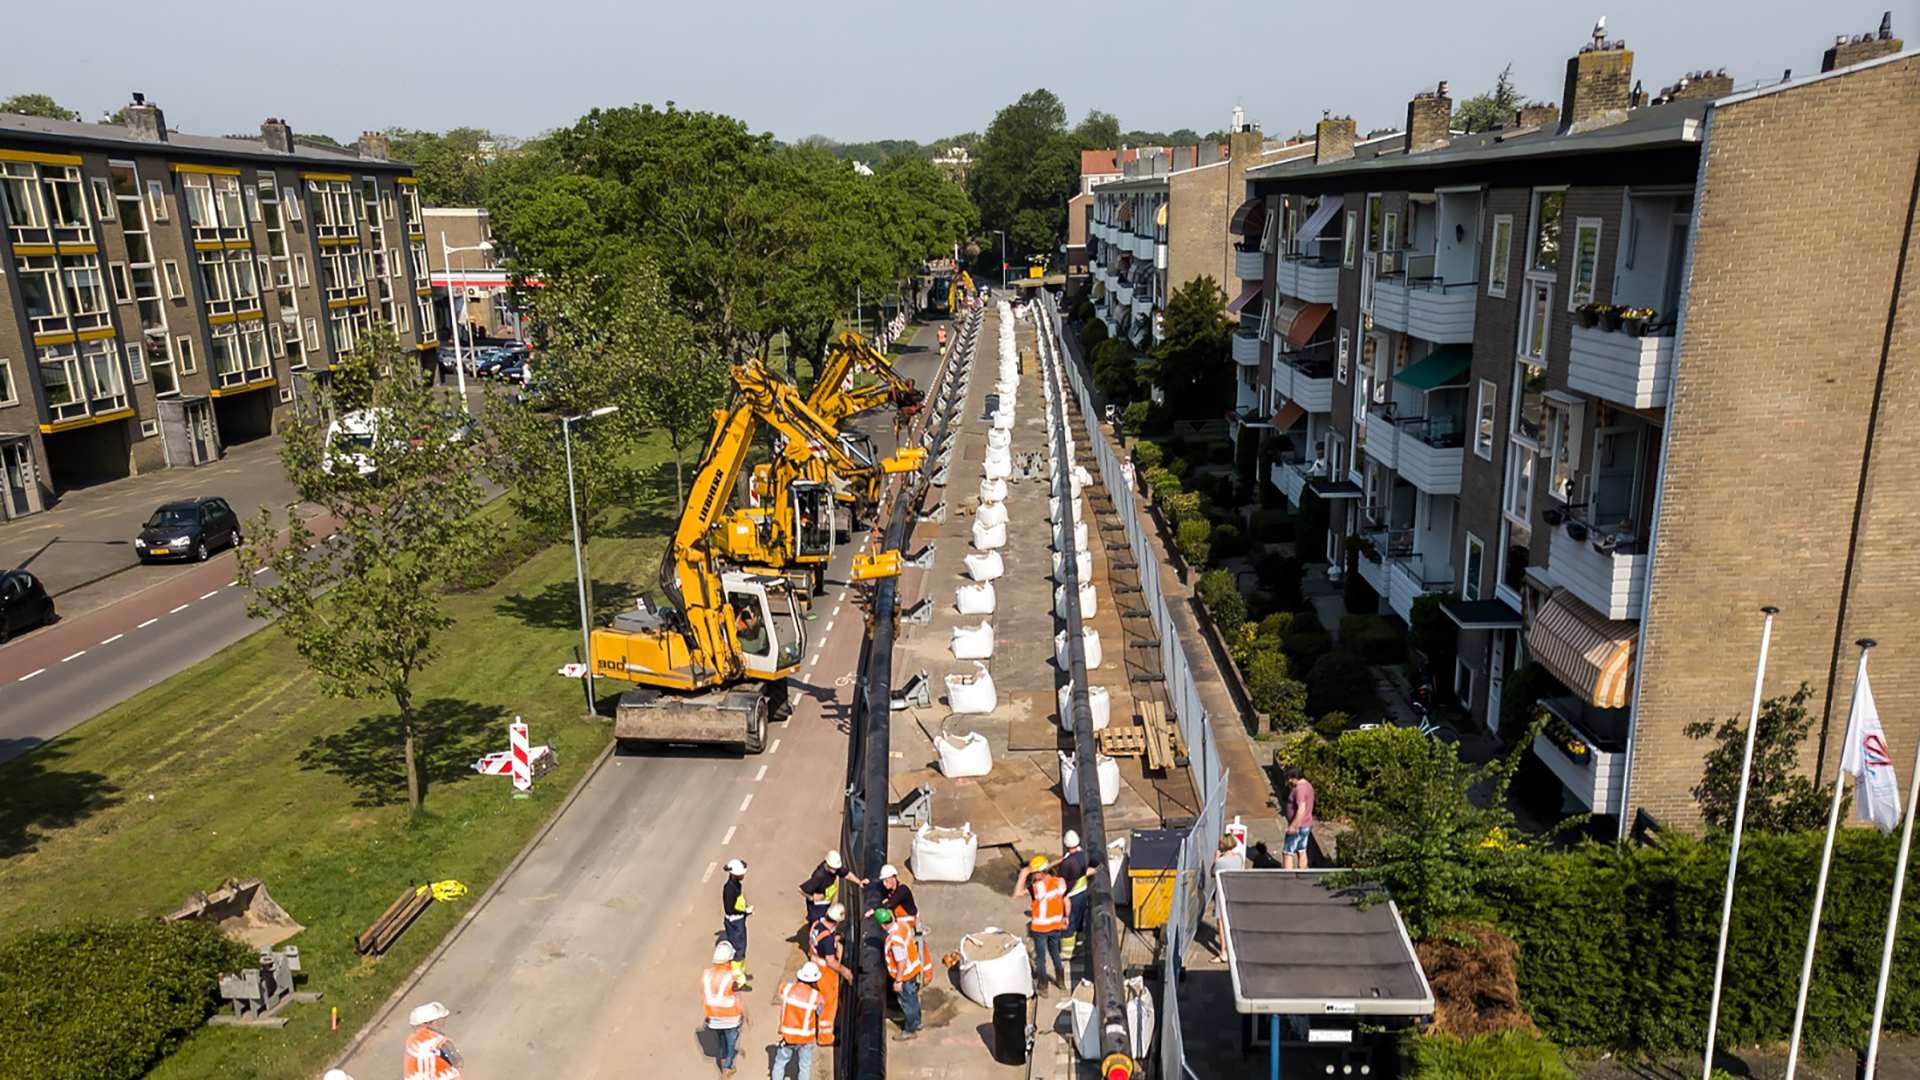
point(1518, 500)
point(1586, 261)
point(83, 380)
point(410, 207)
point(1470, 576)
point(292, 203)
point(1516, 543)
point(401, 314)
point(313, 335)
point(1565, 430)
point(1502, 255)
point(423, 306)
point(1529, 386)
point(1483, 428)
point(1345, 352)
point(20, 203)
point(253, 203)
point(103, 201)
point(137, 361)
point(1544, 254)
point(1352, 238)
point(276, 341)
point(66, 203)
point(40, 289)
point(170, 270)
point(300, 273)
point(1536, 317)
point(87, 307)
point(336, 208)
point(156, 200)
point(417, 256)
point(187, 363)
point(118, 273)
point(9, 393)
point(370, 200)
point(197, 189)
point(1373, 223)
point(160, 366)
point(1390, 243)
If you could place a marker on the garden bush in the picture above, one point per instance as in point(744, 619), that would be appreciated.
point(1219, 590)
point(1134, 416)
point(107, 1000)
point(1183, 504)
point(1220, 451)
point(1083, 311)
point(1355, 593)
point(1310, 525)
point(1272, 526)
point(1373, 638)
point(1508, 1055)
point(1177, 465)
point(1246, 455)
point(1282, 698)
point(1332, 725)
point(1191, 537)
point(1227, 542)
point(1093, 333)
point(1166, 487)
point(1522, 691)
point(1306, 643)
point(1280, 576)
point(1341, 681)
point(1342, 768)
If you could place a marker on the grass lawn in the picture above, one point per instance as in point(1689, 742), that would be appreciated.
point(238, 767)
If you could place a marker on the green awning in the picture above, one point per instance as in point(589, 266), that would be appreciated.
point(1441, 367)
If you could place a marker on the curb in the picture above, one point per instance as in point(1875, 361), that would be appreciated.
point(405, 988)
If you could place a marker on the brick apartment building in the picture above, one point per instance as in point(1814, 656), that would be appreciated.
point(1617, 504)
point(168, 294)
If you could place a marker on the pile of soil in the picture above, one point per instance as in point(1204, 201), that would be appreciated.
point(1475, 990)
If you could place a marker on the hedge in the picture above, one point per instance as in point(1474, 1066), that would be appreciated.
point(107, 1000)
point(1372, 637)
point(1272, 526)
point(1339, 681)
point(1191, 536)
point(1093, 333)
point(1509, 1055)
point(1219, 590)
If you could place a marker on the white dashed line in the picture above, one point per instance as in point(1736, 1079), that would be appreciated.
point(708, 876)
point(827, 629)
point(775, 748)
point(148, 623)
point(113, 639)
point(746, 802)
point(75, 656)
point(728, 839)
point(836, 611)
point(31, 674)
point(181, 608)
point(761, 775)
point(210, 595)
point(260, 571)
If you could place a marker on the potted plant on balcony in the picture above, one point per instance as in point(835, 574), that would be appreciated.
point(1634, 320)
point(1609, 317)
point(1589, 314)
point(1570, 742)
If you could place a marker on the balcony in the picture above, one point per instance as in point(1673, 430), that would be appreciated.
point(1595, 780)
point(1383, 440)
point(1430, 452)
point(1390, 303)
point(1291, 478)
point(1605, 572)
point(1143, 245)
point(1441, 312)
point(1307, 377)
point(1246, 400)
point(1246, 349)
point(1407, 582)
point(1250, 265)
point(1308, 278)
point(1123, 295)
point(1373, 565)
point(1143, 303)
point(1618, 367)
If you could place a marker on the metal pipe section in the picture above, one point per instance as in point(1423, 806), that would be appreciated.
point(1102, 925)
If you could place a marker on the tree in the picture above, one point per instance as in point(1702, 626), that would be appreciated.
point(1193, 364)
point(1099, 130)
point(363, 607)
point(1025, 168)
point(1779, 798)
point(1115, 372)
point(1483, 112)
point(40, 105)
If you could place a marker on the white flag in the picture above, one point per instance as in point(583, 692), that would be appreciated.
point(1876, 794)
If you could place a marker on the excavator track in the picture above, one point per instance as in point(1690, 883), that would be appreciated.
point(735, 719)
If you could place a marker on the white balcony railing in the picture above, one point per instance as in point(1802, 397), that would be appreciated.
point(1390, 303)
point(1406, 582)
point(1249, 265)
point(1143, 245)
point(1123, 295)
point(1608, 581)
point(1441, 313)
point(1431, 453)
point(1598, 781)
point(1383, 440)
point(1308, 279)
point(1143, 303)
point(1373, 571)
point(1291, 478)
point(1246, 350)
point(1618, 367)
point(1308, 385)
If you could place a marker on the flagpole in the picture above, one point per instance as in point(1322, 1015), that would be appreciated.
point(1893, 914)
point(1826, 863)
point(1739, 824)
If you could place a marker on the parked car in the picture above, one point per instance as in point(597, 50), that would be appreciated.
point(188, 529)
point(513, 371)
point(23, 603)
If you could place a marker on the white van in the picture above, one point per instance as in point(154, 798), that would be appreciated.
point(350, 442)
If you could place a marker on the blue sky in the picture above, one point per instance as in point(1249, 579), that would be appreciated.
point(867, 69)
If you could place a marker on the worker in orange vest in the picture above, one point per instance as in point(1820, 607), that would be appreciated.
point(430, 1054)
point(907, 964)
point(943, 337)
point(726, 1008)
point(823, 946)
point(1048, 921)
point(799, 1022)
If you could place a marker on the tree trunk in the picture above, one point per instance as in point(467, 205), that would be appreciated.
point(414, 795)
point(679, 477)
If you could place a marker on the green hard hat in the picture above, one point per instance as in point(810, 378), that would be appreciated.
point(882, 916)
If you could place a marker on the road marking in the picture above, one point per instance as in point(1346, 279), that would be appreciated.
point(260, 571)
point(827, 629)
point(75, 656)
point(231, 584)
point(761, 775)
point(708, 876)
point(746, 802)
point(31, 674)
point(181, 608)
point(210, 595)
point(775, 748)
point(728, 839)
point(148, 623)
point(113, 639)
point(836, 611)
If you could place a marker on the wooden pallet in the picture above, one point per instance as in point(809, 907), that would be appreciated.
point(1121, 742)
point(1164, 748)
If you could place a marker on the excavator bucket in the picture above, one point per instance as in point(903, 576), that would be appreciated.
point(243, 910)
point(906, 459)
point(869, 567)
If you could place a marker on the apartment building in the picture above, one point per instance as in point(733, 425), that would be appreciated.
point(1614, 495)
point(470, 285)
point(166, 294)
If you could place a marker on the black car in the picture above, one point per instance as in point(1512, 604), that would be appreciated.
point(23, 603)
point(188, 529)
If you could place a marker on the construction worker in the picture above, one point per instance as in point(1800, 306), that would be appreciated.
point(907, 964)
point(898, 898)
point(799, 1022)
point(726, 1008)
point(823, 948)
point(1048, 920)
point(430, 1054)
point(823, 885)
point(943, 339)
point(1072, 868)
point(734, 910)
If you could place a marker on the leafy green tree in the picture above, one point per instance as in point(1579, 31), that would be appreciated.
point(1193, 364)
point(1100, 130)
point(1779, 797)
point(1484, 112)
point(364, 607)
point(1115, 371)
point(1025, 167)
point(40, 105)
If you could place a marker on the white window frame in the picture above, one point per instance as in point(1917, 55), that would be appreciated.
point(186, 361)
point(400, 316)
point(1350, 243)
point(1534, 221)
point(1575, 297)
point(157, 200)
point(290, 203)
point(1532, 307)
point(313, 334)
point(137, 361)
point(1516, 491)
point(122, 285)
point(301, 275)
point(9, 389)
point(1345, 354)
point(105, 206)
point(170, 279)
point(1500, 255)
point(1473, 573)
point(1486, 419)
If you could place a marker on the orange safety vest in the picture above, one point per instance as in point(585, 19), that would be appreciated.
point(799, 1012)
point(943, 336)
point(1049, 904)
point(723, 999)
point(904, 958)
point(814, 933)
point(423, 1057)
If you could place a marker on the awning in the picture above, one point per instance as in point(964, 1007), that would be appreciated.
point(1589, 652)
point(1248, 293)
point(1298, 320)
point(1317, 221)
point(1099, 289)
point(1481, 614)
point(1250, 219)
point(1442, 367)
point(1160, 216)
point(1335, 489)
point(1288, 416)
point(1123, 213)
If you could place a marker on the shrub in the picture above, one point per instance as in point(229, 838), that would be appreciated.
point(1083, 311)
point(1283, 699)
point(1114, 372)
point(1203, 483)
point(1310, 526)
point(1523, 690)
point(1339, 681)
point(1220, 451)
point(1280, 576)
point(1227, 542)
point(1182, 504)
point(1508, 1055)
point(1134, 416)
point(1153, 476)
point(1220, 592)
point(1342, 768)
point(1331, 725)
point(107, 1000)
point(1093, 333)
point(1272, 526)
point(1277, 625)
point(1176, 465)
point(1147, 456)
point(1373, 638)
point(1246, 455)
point(1191, 537)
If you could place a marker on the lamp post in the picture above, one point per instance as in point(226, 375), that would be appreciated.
point(1002, 234)
point(579, 560)
point(446, 260)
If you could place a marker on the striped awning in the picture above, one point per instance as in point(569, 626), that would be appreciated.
point(1589, 652)
point(1249, 219)
point(1298, 320)
point(1247, 293)
point(1317, 221)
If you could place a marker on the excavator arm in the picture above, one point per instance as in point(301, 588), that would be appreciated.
point(833, 404)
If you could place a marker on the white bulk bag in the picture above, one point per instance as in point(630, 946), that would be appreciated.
point(999, 438)
point(945, 854)
point(987, 537)
point(1080, 473)
point(994, 962)
point(1079, 535)
point(1086, 1028)
point(996, 470)
point(991, 513)
point(993, 490)
point(998, 454)
point(1082, 564)
point(974, 599)
point(1088, 605)
point(1099, 704)
point(972, 642)
point(1090, 643)
point(985, 566)
point(1073, 486)
point(972, 695)
point(1004, 418)
point(1106, 768)
point(1054, 511)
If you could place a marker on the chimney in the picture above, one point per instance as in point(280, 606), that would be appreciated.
point(277, 135)
point(1599, 84)
point(1535, 114)
point(1701, 84)
point(1333, 139)
point(1430, 121)
point(146, 121)
point(375, 145)
point(1848, 51)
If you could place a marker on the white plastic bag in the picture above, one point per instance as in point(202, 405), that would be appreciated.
point(972, 642)
point(993, 490)
point(988, 537)
point(945, 854)
point(984, 566)
point(1106, 768)
point(1079, 536)
point(994, 962)
point(1053, 509)
point(1082, 564)
point(1088, 597)
point(1099, 704)
point(1090, 642)
point(991, 513)
point(974, 599)
point(972, 695)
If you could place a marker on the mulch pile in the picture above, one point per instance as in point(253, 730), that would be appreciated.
point(1475, 991)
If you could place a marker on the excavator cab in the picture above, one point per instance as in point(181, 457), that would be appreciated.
point(812, 519)
point(767, 625)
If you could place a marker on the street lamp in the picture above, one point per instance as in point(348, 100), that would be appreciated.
point(1002, 234)
point(446, 260)
point(579, 560)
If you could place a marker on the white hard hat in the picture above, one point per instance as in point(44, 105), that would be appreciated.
point(427, 1014)
point(336, 1074)
point(1070, 838)
point(888, 871)
point(723, 952)
point(833, 860)
point(809, 972)
point(837, 912)
point(736, 868)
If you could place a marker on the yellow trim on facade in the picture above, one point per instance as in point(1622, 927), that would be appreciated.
point(39, 159)
point(336, 241)
point(35, 249)
point(325, 176)
point(54, 339)
point(251, 316)
point(239, 245)
point(95, 335)
point(428, 291)
point(406, 179)
point(221, 320)
point(209, 245)
point(79, 249)
point(246, 388)
point(426, 346)
point(210, 170)
point(85, 421)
